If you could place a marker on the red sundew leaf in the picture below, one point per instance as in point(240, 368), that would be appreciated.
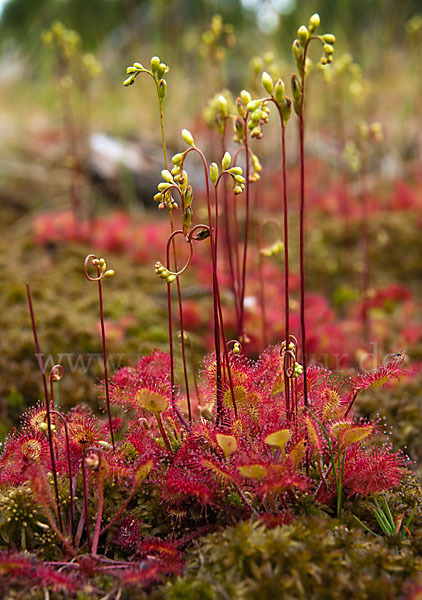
point(380, 376)
point(375, 470)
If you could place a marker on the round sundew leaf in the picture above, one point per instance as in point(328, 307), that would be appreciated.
point(357, 434)
point(297, 452)
point(278, 438)
point(153, 401)
point(227, 443)
point(143, 471)
point(253, 471)
point(379, 382)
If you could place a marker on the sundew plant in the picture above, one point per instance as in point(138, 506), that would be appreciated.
point(119, 506)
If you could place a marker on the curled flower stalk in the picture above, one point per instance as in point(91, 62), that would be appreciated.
point(102, 273)
point(157, 71)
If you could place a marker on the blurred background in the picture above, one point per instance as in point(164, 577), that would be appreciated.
point(72, 138)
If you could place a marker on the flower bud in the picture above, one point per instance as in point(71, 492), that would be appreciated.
point(155, 63)
point(303, 35)
point(129, 81)
point(225, 163)
point(238, 126)
point(286, 109)
point(138, 66)
point(329, 38)
point(297, 51)
point(245, 96)
point(328, 49)
point(162, 88)
point(253, 105)
point(166, 175)
point(267, 82)
point(187, 136)
point(177, 158)
point(296, 88)
point(130, 70)
point(162, 69)
point(314, 22)
point(256, 116)
point(188, 195)
point(162, 186)
point(236, 171)
point(279, 92)
point(236, 348)
point(170, 278)
point(109, 273)
point(213, 172)
point(187, 216)
point(222, 104)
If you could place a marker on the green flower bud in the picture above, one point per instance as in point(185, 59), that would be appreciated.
point(222, 103)
point(162, 88)
point(328, 49)
point(177, 158)
point(314, 22)
point(286, 109)
point(187, 136)
point(158, 197)
point(166, 175)
point(235, 171)
point(129, 81)
point(237, 190)
point(279, 92)
point(303, 35)
point(188, 196)
point(256, 116)
point(187, 217)
point(170, 278)
point(162, 69)
point(241, 109)
point(323, 60)
point(155, 63)
point(329, 38)
point(225, 163)
point(267, 82)
point(131, 70)
point(246, 97)
point(297, 51)
point(256, 164)
point(213, 172)
point(138, 66)
point(162, 186)
point(253, 105)
point(109, 273)
point(236, 348)
point(296, 88)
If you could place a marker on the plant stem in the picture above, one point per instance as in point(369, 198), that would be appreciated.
point(302, 225)
point(365, 248)
point(179, 296)
point(100, 492)
point(69, 468)
point(47, 404)
point(162, 431)
point(245, 241)
point(100, 298)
